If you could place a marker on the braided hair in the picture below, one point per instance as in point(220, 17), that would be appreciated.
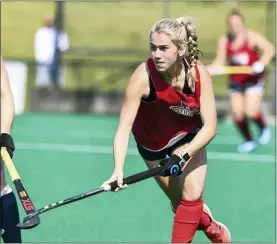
point(182, 32)
point(191, 45)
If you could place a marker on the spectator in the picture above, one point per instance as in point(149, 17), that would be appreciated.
point(47, 42)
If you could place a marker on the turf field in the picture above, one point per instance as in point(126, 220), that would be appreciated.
point(62, 155)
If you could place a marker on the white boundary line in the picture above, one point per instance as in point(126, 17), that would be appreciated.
point(95, 149)
point(103, 135)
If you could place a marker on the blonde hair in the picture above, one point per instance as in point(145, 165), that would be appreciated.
point(182, 32)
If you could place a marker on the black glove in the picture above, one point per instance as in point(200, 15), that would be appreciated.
point(172, 166)
point(7, 141)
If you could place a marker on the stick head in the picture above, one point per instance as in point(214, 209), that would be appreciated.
point(29, 223)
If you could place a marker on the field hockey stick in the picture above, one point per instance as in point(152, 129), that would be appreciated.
point(229, 70)
point(112, 186)
point(21, 191)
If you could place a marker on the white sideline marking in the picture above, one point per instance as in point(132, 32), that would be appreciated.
point(227, 156)
point(108, 135)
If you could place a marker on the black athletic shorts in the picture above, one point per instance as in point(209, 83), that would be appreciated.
point(235, 87)
point(157, 155)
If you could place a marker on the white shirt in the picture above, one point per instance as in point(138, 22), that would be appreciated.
point(45, 44)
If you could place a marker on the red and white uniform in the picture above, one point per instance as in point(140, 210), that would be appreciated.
point(169, 116)
point(244, 55)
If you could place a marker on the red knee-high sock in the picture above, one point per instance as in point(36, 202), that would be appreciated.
point(205, 221)
point(244, 129)
point(259, 120)
point(186, 220)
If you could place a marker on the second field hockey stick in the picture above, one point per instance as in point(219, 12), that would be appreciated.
point(112, 186)
point(21, 191)
point(229, 70)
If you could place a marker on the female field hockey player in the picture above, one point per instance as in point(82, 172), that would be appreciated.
point(169, 106)
point(240, 47)
point(10, 233)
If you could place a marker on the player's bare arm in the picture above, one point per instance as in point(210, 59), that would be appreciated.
point(9, 220)
point(208, 114)
point(7, 103)
point(220, 57)
point(137, 87)
point(266, 47)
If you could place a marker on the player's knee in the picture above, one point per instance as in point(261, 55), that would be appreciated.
point(193, 190)
point(251, 113)
point(238, 115)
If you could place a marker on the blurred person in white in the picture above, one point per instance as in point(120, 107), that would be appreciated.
point(242, 46)
point(45, 43)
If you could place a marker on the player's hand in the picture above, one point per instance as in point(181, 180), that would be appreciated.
point(215, 69)
point(118, 177)
point(172, 166)
point(257, 67)
point(7, 141)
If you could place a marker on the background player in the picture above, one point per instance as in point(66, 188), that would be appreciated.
point(9, 209)
point(170, 107)
point(240, 47)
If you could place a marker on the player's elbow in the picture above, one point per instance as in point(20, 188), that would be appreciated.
point(211, 130)
point(209, 119)
point(270, 51)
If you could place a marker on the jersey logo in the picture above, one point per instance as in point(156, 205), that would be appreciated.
point(184, 109)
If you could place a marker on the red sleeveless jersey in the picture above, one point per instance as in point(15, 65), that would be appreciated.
point(166, 115)
point(244, 55)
